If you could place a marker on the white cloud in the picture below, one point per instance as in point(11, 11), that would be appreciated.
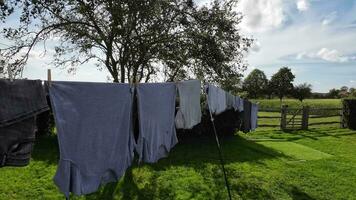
point(330, 55)
point(261, 15)
point(303, 5)
point(329, 18)
point(256, 46)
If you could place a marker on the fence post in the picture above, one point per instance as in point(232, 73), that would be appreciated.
point(305, 118)
point(342, 117)
point(284, 117)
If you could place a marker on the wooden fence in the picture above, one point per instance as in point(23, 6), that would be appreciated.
point(302, 118)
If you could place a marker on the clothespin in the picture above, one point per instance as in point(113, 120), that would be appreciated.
point(9, 71)
point(49, 77)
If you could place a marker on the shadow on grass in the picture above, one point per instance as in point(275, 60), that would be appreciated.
point(46, 149)
point(297, 194)
point(192, 154)
point(313, 134)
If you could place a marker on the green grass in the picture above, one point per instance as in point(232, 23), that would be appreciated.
point(293, 103)
point(267, 164)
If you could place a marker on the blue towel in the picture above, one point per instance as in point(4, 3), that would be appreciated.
point(94, 127)
point(156, 108)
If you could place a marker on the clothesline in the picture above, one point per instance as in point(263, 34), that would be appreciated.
point(83, 109)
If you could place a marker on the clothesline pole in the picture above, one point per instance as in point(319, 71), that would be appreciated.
point(219, 150)
point(9, 71)
point(49, 77)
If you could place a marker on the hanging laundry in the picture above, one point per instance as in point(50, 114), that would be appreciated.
point(95, 136)
point(238, 104)
point(189, 112)
point(216, 99)
point(230, 100)
point(246, 116)
point(20, 102)
point(20, 99)
point(156, 108)
point(254, 117)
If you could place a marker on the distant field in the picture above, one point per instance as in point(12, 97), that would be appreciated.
point(293, 103)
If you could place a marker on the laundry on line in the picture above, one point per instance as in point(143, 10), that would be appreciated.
point(95, 125)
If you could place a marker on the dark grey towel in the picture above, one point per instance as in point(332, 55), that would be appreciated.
point(156, 108)
point(247, 116)
point(20, 99)
point(94, 132)
point(16, 142)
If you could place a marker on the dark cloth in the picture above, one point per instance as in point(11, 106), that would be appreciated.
point(16, 142)
point(246, 116)
point(20, 99)
point(95, 137)
point(20, 102)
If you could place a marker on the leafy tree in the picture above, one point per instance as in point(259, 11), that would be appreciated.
point(282, 82)
point(333, 93)
point(352, 92)
point(255, 83)
point(302, 91)
point(134, 41)
point(269, 90)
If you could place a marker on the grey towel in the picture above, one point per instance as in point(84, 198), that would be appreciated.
point(94, 132)
point(238, 104)
point(189, 112)
point(20, 99)
point(156, 108)
point(254, 116)
point(247, 116)
point(230, 100)
point(216, 99)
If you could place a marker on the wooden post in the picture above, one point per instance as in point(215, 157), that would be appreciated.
point(342, 116)
point(284, 117)
point(305, 117)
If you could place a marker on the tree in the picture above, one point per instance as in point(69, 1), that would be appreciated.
point(135, 41)
point(269, 90)
point(333, 93)
point(302, 91)
point(282, 82)
point(352, 92)
point(255, 83)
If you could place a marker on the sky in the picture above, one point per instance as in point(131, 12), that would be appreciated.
point(315, 38)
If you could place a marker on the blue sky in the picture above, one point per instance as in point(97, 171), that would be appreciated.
point(315, 38)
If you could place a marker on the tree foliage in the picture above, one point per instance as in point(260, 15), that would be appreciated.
point(256, 83)
point(135, 41)
point(282, 82)
point(302, 91)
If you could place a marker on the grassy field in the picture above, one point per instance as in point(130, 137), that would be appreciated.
point(293, 103)
point(267, 164)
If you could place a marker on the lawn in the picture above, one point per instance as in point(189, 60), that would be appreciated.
point(293, 103)
point(266, 164)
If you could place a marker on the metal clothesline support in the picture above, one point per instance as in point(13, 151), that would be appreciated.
point(49, 77)
point(219, 148)
point(9, 71)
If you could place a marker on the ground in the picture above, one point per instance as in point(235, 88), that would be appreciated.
point(267, 164)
